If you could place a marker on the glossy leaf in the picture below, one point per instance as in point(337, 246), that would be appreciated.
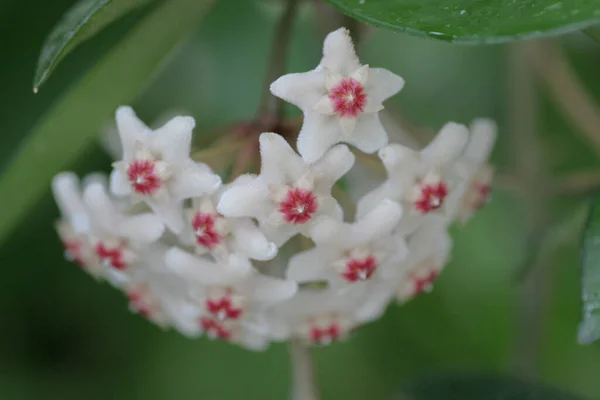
point(68, 128)
point(482, 387)
point(589, 328)
point(468, 21)
point(85, 19)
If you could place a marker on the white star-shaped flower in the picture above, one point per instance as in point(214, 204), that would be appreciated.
point(340, 99)
point(289, 194)
point(156, 167)
point(423, 181)
point(210, 232)
point(351, 255)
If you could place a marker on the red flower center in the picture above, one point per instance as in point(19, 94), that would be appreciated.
point(326, 335)
point(425, 283)
point(348, 97)
point(359, 269)
point(73, 251)
point(143, 177)
point(223, 308)
point(138, 304)
point(204, 230)
point(112, 256)
point(432, 197)
point(482, 191)
point(298, 206)
point(214, 329)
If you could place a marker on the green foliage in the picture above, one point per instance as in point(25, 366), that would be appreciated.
point(466, 387)
point(468, 21)
point(85, 19)
point(73, 122)
point(593, 32)
point(589, 329)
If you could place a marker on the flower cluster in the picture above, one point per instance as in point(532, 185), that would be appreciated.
point(204, 257)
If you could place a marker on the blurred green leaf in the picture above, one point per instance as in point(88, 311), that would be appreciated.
point(593, 32)
point(85, 19)
point(481, 387)
point(589, 328)
point(468, 21)
point(73, 122)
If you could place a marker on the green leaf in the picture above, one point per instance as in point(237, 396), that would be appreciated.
point(482, 21)
point(593, 32)
point(85, 19)
point(481, 387)
point(589, 328)
point(71, 125)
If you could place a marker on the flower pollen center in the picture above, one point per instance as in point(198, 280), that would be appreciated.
point(431, 197)
point(359, 269)
point(205, 231)
point(223, 307)
point(348, 98)
point(424, 284)
point(326, 335)
point(143, 177)
point(298, 206)
point(112, 256)
point(73, 251)
point(214, 329)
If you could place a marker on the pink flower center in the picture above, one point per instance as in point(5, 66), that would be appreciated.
point(112, 256)
point(326, 335)
point(425, 283)
point(214, 329)
point(298, 206)
point(432, 197)
point(73, 251)
point(359, 269)
point(348, 97)
point(482, 191)
point(204, 230)
point(143, 177)
point(137, 303)
point(223, 308)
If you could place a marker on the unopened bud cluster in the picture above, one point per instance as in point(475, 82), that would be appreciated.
point(206, 257)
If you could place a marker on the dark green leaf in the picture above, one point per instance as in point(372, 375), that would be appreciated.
point(593, 32)
point(482, 21)
point(477, 387)
point(73, 122)
point(85, 19)
point(589, 329)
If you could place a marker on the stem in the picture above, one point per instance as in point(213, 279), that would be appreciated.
point(568, 91)
point(524, 113)
point(271, 108)
point(303, 381)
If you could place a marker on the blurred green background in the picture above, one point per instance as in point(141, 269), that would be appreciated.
point(64, 336)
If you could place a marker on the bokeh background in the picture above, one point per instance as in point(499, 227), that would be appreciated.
point(64, 336)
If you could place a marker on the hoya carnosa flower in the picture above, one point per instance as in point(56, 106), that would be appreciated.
point(118, 240)
point(428, 252)
point(422, 181)
point(74, 225)
point(210, 232)
point(156, 166)
point(473, 163)
point(289, 194)
point(340, 99)
point(348, 254)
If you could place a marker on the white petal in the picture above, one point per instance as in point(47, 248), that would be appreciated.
point(279, 162)
point(387, 190)
point(368, 135)
point(131, 129)
point(319, 132)
point(446, 145)
point(302, 89)
point(119, 184)
point(174, 139)
point(246, 200)
point(483, 136)
point(348, 125)
point(254, 341)
point(334, 164)
point(277, 231)
point(324, 106)
point(66, 190)
point(145, 228)
point(250, 241)
point(383, 84)
point(375, 304)
point(310, 265)
point(272, 290)
point(361, 74)
point(330, 232)
point(170, 213)
point(101, 207)
point(190, 267)
point(339, 54)
point(192, 180)
point(377, 223)
point(238, 266)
